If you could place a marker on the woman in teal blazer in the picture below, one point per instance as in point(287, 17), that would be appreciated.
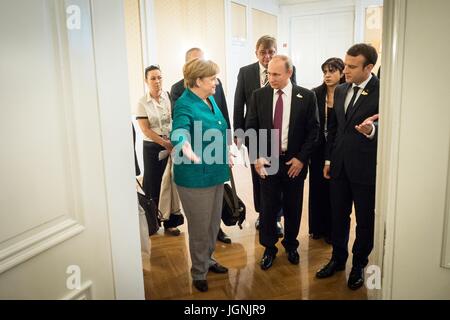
point(200, 164)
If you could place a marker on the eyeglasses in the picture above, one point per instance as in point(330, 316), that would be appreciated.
point(264, 52)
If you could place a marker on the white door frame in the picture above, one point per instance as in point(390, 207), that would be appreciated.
point(108, 27)
point(394, 24)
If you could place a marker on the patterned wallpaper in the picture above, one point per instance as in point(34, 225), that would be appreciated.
point(183, 24)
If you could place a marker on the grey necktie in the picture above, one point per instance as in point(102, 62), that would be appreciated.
point(266, 78)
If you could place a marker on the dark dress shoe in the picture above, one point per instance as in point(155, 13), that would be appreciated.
point(201, 285)
point(356, 278)
point(173, 231)
point(293, 256)
point(218, 268)
point(280, 231)
point(329, 269)
point(223, 237)
point(257, 223)
point(267, 261)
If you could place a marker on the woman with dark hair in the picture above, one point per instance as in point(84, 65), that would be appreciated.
point(153, 115)
point(319, 188)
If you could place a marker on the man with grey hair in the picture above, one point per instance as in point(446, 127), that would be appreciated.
point(292, 112)
point(178, 89)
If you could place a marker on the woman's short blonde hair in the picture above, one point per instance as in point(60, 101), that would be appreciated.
point(198, 68)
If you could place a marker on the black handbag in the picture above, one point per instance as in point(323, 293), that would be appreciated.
point(174, 221)
point(233, 208)
point(152, 213)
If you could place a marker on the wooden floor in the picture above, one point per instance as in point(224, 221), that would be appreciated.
point(167, 275)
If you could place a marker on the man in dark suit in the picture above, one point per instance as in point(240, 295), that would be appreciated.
point(250, 78)
point(351, 162)
point(292, 112)
point(177, 90)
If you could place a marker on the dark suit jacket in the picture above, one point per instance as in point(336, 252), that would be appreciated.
point(178, 88)
point(346, 146)
point(303, 123)
point(248, 81)
point(321, 95)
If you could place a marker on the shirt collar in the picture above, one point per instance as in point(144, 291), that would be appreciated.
point(287, 89)
point(150, 98)
point(363, 84)
point(261, 68)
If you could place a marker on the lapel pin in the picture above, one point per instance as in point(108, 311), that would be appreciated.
point(364, 93)
point(299, 96)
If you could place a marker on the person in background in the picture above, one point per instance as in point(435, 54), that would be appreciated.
point(319, 205)
point(250, 78)
point(153, 115)
point(199, 178)
point(219, 96)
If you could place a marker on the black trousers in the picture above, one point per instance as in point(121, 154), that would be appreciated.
point(278, 192)
point(153, 169)
point(319, 204)
point(257, 192)
point(256, 189)
point(343, 195)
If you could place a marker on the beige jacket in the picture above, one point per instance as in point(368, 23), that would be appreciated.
point(169, 201)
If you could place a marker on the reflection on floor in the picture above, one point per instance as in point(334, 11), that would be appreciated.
point(167, 276)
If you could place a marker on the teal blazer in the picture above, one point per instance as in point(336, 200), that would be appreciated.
point(193, 121)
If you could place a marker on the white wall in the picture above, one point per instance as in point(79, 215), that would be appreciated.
point(180, 25)
point(242, 53)
point(414, 152)
point(312, 32)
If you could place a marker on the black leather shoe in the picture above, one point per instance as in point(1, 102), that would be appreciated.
point(218, 268)
point(257, 223)
point(356, 278)
point(293, 256)
point(201, 285)
point(223, 237)
point(329, 269)
point(267, 261)
point(280, 231)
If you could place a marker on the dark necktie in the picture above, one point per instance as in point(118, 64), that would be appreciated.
point(266, 78)
point(278, 117)
point(352, 101)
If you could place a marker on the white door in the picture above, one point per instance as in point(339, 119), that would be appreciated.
point(54, 229)
point(317, 37)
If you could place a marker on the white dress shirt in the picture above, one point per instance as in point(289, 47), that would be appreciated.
point(158, 113)
point(287, 98)
point(361, 86)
